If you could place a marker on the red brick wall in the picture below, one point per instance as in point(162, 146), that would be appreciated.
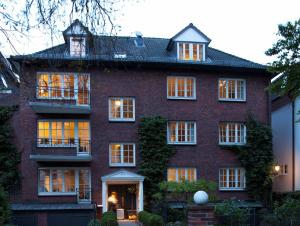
point(150, 91)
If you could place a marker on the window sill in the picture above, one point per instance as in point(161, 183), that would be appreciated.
point(57, 194)
point(232, 100)
point(181, 98)
point(121, 165)
point(177, 143)
point(121, 120)
point(231, 144)
point(232, 189)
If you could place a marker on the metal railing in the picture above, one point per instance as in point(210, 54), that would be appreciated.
point(84, 194)
point(82, 146)
point(81, 95)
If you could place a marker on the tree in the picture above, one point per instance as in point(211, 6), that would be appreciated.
point(287, 51)
point(4, 207)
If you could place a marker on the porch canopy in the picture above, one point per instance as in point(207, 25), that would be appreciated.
point(123, 177)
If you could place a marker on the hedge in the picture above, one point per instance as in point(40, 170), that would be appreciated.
point(150, 219)
point(109, 219)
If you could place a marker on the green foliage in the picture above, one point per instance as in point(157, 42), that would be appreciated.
point(109, 219)
point(176, 215)
point(155, 153)
point(230, 213)
point(4, 207)
point(9, 157)
point(149, 219)
point(287, 51)
point(257, 158)
point(94, 222)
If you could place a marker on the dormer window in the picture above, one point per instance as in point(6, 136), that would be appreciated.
point(190, 51)
point(77, 46)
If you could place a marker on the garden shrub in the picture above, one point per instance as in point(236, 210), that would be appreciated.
point(4, 207)
point(176, 215)
point(109, 219)
point(150, 219)
point(94, 222)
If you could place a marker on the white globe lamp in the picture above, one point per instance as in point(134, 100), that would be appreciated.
point(200, 197)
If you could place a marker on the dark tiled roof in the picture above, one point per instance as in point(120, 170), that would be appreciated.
point(50, 206)
point(155, 51)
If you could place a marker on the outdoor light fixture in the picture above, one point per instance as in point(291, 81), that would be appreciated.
point(113, 199)
point(277, 168)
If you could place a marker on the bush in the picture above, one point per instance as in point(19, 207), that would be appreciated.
point(4, 207)
point(94, 222)
point(176, 215)
point(149, 219)
point(109, 219)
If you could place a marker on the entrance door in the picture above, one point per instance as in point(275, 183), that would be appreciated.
point(122, 197)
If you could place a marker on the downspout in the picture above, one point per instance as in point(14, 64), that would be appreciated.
point(293, 145)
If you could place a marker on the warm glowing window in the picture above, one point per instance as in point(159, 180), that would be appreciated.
point(122, 109)
point(65, 133)
point(232, 179)
point(181, 174)
point(64, 86)
point(181, 132)
point(61, 181)
point(232, 89)
point(181, 87)
point(190, 51)
point(77, 47)
point(122, 154)
point(232, 133)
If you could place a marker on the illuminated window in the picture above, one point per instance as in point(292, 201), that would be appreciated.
point(77, 47)
point(181, 88)
point(232, 179)
point(63, 181)
point(190, 51)
point(182, 174)
point(232, 89)
point(122, 109)
point(64, 86)
point(232, 133)
point(122, 154)
point(64, 134)
point(181, 132)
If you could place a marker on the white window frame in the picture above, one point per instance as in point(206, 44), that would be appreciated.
point(186, 132)
point(191, 51)
point(83, 47)
point(63, 130)
point(235, 87)
point(235, 136)
point(122, 155)
point(61, 74)
point(186, 172)
point(76, 169)
point(185, 88)
point(235, 188)
point(121, 119)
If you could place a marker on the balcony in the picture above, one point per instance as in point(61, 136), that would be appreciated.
point(61, 150)
point(58, 100)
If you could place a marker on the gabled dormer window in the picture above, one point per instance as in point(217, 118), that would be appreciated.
point(190, 51)
point(77, 46)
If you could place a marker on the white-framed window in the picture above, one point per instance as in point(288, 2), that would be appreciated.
point(182, 174)
point(232, 133)
point(121, 109)
point(181, 88)
point(77, 46)
point(122, 154)
point(64, 133)
point(71, 86)
point(190, 51)
point(180, 132)
point(64, 181)
point(232, 179)
point(232, 89)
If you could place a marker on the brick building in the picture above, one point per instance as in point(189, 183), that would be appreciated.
point(80, 107)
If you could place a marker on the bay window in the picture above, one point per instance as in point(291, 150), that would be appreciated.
point(190, 51)
point(122, 154)
point(232, 89)
point(181, 132)
point(181, 88)
point(182, 174)
point(232, 133)
point(121, 109)
point(232, 179)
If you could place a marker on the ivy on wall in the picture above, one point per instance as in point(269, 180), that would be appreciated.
point(155, 154)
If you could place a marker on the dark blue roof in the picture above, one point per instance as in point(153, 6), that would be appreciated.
point(154, 51)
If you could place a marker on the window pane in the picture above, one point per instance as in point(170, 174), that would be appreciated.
point(231, 178)
point(56, 86)
point(171, 174)
point(180, 87)
point(172, 131)
point(190, 132)
point(171, 87)
point(231, 132)
point(231, 89)
point(240, 89)
point(187, 51)
point(115, 153)
point(44, 180)
point(69, 133)
point(69, 86)
point(191, 174)
point(201, 52)
point(190, 87)
point(56, 133)
point(84, 184)
point(181, 174)
point(181, 51)
point(57, 180)
point(195, 50)
point(83, 89)
point(43, 83)
point(222, 88)
point(127, 108)
point(84, 136)
point(128, 153)
point(115, 108)
point(43, 132)
point(77, 47)
point(181, 132)
point(222, 132)
point(69, 180)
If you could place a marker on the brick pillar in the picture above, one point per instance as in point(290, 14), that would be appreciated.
point(201, 215)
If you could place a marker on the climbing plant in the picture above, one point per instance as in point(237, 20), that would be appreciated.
point(257, 158)
point(9, 157)
point(155, 153)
